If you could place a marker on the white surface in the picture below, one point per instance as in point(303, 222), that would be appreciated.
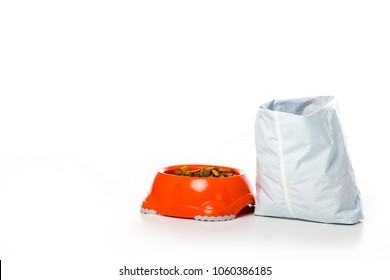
point(97, 96)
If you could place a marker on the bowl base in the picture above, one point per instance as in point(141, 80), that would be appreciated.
point(198, 218)
point(215, 219)
point(148, 211)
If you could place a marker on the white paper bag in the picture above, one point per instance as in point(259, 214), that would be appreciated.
point(303, 166)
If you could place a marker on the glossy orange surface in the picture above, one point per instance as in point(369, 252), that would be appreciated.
point(188, 197)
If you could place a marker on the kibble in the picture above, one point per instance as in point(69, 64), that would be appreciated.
point(215, 171)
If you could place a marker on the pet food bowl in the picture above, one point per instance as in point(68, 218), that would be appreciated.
point(199, 198)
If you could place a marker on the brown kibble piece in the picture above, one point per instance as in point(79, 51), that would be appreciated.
point(178, 172)
point(205, 172)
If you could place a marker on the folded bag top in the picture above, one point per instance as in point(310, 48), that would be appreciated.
point(299, 106)
point(303, 166)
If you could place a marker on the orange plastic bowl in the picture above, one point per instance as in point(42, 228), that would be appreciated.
point(204, 199)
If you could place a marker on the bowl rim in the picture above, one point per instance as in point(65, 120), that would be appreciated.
point(177, 166)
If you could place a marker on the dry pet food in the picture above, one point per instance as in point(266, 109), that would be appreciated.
point(205, 172)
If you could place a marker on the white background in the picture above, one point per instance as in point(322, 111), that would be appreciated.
point(96, 96)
